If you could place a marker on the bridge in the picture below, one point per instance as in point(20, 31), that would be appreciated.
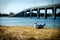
point(54, 7)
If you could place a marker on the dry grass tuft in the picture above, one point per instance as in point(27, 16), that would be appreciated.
point(28, 33)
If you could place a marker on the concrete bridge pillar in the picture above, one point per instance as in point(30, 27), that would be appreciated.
point(54, 12)
point(24, 13)
point(38, 13)
point(31, 13)
point(45, 15)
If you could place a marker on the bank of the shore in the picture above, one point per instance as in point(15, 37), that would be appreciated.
point(28, 33)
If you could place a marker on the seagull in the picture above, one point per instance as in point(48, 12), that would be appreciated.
point(38, 26)
point(41, 26)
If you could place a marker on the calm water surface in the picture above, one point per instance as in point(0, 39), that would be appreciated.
point(19, 21)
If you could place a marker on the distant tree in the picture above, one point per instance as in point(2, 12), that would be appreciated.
point(0, 14)
point(3, 15)
point(11, 13)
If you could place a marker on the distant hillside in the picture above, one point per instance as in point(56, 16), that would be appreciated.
point(4, 15)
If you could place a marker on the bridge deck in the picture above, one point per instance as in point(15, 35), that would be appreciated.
point(42, 7)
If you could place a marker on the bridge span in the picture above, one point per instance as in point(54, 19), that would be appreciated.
point(54, 7)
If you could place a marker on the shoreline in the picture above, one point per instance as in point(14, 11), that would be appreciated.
point(29, 26)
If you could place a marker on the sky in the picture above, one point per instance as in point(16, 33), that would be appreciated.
point(16, 6)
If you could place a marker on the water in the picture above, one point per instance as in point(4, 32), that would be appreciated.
point(13, 21)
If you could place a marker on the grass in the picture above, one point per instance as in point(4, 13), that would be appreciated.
point(28, 33)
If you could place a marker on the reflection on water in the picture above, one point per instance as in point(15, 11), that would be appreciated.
point(13, 21)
